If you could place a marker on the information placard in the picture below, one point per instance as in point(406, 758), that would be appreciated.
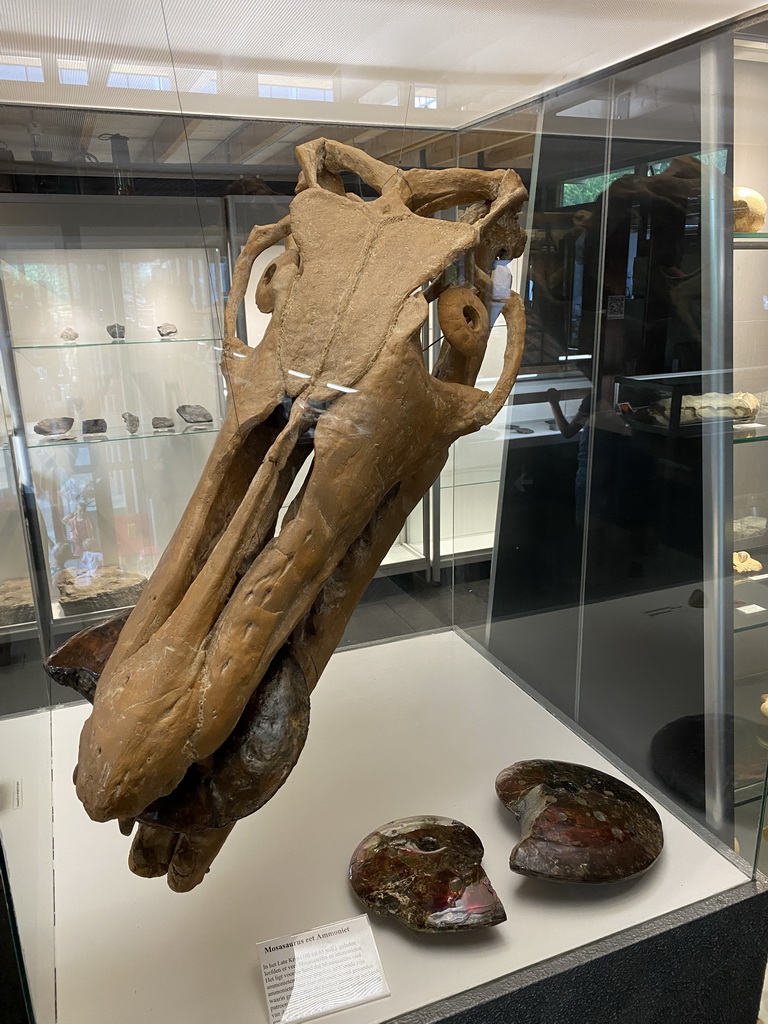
point(326, 969)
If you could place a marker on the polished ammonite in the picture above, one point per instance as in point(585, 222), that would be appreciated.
point(426, 871)
point(578, 824)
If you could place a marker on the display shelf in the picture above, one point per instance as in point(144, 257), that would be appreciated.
point(243, 899)
point(17, 631)
point(468, 477)
point(750, 240)
point(74, 346)
point(83, 619)
point(33, 443)
point(751, 612)
point(751, 754)
point(749, 433)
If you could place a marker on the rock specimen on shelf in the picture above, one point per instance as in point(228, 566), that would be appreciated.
point(194, 414)
point(131, 422)
point(680, 752)
point(162, 423)
point(69, 334)
point(56, 425)
point(16, 603)
point(696, 598)
point(116, 332)
point(95, 426)
point(578, 824)
point(167, 330)
point(339, 376)
point(108, 586)
point(749, 209)
point(426, 871)
point(740, 407)
point(744, 562)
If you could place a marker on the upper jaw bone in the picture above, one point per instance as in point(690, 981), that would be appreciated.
point(200, 641)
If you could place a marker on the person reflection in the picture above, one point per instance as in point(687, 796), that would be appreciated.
point(570, 428)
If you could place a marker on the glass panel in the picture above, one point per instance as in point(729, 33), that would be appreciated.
point(26, 825)
point(611, 589)
point(750, 468)
point(115, 323)
point(476, 462)
point(644, 656)
point(534, 618)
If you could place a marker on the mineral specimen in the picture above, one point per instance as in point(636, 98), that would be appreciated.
point(744, 562)
point(69, 334)
point(426, 871)
point(95, 426)
point(55, 425)
point(109, 586)
point(578, 824)
point(749, 209)
point(16, 602)
point(116, 332)
point(194, 414)
point(167, 330)
point(131, 422)
point(162, 423)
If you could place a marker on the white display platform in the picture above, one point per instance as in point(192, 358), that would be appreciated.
point(421, 725)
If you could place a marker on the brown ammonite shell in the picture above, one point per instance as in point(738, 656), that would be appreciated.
point(579, 824)
point(426, 872)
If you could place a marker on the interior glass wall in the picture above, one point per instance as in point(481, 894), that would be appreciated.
point(613, 592)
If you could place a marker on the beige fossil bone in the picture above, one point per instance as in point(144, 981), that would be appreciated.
point(234, 606)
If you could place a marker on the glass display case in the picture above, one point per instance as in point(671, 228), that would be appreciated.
point(114, 349)
point(570, 588)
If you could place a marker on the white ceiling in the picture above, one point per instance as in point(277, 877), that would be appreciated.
point(362, 61)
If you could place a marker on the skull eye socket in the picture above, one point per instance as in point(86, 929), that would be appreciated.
point(265, 300)
point(470, 315)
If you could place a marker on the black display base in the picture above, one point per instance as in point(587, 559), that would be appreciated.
point(703, 964)
point(15, 1004)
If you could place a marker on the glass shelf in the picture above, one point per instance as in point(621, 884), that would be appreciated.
point(47, 442)
point(751, 240)
point(74, 346)
point(750, 605)
point(469, 478)
point(749, 433)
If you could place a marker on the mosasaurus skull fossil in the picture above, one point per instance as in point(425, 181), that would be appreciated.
point(201, 701)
